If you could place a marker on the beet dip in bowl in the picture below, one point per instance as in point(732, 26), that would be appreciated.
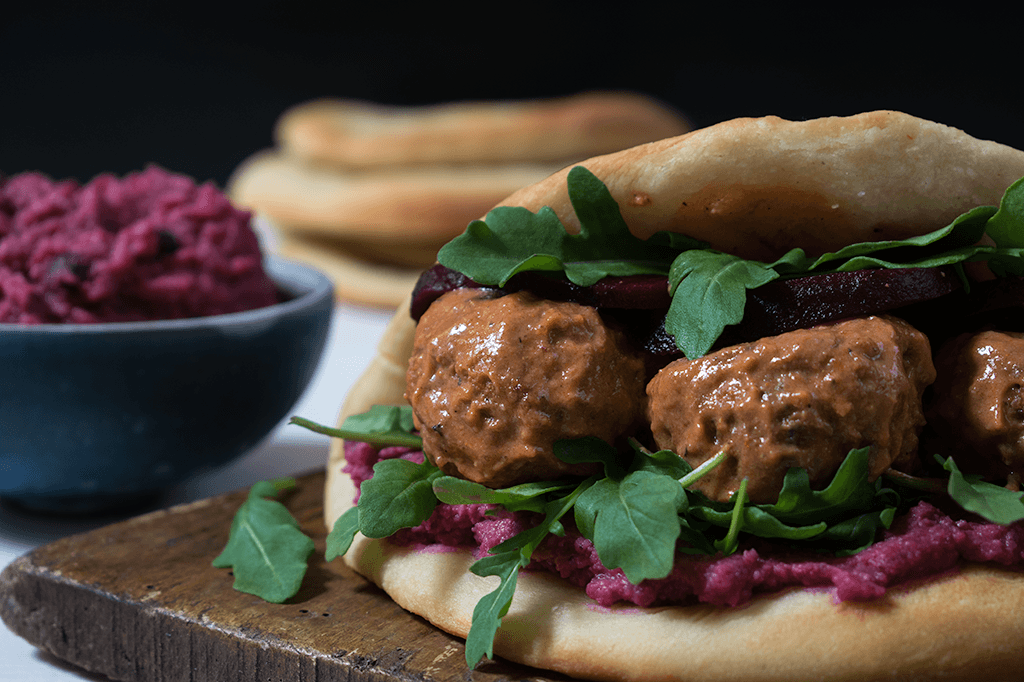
point(143, 337)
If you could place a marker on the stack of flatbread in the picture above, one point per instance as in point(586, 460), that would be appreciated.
point(368, 193)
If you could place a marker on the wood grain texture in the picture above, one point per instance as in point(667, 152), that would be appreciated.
point(139, 600)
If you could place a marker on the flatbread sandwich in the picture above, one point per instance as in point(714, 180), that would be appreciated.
point(742, 404)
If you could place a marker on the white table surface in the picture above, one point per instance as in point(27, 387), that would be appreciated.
point(355, 332)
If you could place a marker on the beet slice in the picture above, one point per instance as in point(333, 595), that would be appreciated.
point(785, 305)
point(635, 292)
point(433, 283)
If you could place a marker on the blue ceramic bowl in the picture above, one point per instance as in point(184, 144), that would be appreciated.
point(107, 415)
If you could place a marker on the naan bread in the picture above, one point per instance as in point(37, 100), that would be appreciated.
point(962, 626)
point(876, 175)
point(357, 278)
point(360, 135)
point(759, 187)
point(414, 206)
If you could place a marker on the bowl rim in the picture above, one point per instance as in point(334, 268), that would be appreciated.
point(308, 285)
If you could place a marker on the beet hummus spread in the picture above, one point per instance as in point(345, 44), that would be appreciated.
point(150, 246)
point(924, 542)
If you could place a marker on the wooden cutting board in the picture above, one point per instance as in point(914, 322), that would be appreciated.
point(140, 600)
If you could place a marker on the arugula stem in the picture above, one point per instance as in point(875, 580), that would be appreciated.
point(928, 485)
point(408, 440)
point(704, 469)
point(731, 541)
point(504, 561)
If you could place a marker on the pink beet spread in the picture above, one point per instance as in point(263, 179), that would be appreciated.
point(150, 246)
point(925, 542)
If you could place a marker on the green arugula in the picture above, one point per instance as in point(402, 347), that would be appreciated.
point(991, 502)
point(709, 292)
point(633, 523)
point(381, 425)
point(1004, 226)
point(523, 497)
point(731, 542)
point(845, 516)
point(708, 287)
point(266, 548)
point(400, 495)
point(511, 240)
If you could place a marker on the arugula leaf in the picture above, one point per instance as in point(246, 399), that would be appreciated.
point(633, 523)
point(989, 501)
point(1006, 227)
point(381, 425)
point(635, 518)
point(764, 524)
point(505, 561)
point(511, 240)
point(590, 449)
point(664, 462)
point(846, 514)
point(399, 495)
point(1006, 262)
point(508, 241)
point(849, 489)
point(857, 533)
point(339, 540)
point(603, 231)
point(265, 548)
point(523, 497)
point(953, 243)
point(381, 419)
point(493, 606)
point(709, 292)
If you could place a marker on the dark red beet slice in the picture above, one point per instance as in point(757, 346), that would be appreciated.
point(785, 305)
point(432, 284)
point(635, 292)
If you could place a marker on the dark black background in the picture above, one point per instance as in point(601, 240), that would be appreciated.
point(196, 88)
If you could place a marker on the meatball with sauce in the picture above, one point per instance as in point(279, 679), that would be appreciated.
point(800, 399)
point(494, 381)
point(979, 402)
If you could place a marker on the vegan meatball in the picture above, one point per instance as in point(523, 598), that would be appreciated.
point(800, 399)
point(979, 402)
point(494, 381)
